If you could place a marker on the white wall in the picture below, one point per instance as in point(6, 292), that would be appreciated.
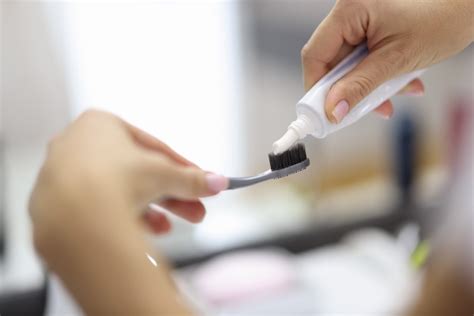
point(34, 106)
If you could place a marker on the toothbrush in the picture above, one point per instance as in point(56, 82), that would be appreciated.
point(311, 117)
point(281, 165)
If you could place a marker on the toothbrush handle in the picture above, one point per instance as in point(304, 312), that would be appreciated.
point(369, 103)
point(237, 183)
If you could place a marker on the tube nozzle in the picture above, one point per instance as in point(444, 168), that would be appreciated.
point(298, 129)
point(285, 142)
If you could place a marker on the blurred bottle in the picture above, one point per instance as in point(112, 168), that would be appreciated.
point(405, 155)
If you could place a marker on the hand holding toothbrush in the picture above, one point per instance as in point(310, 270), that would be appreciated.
point(402, 36)
point(99, 178)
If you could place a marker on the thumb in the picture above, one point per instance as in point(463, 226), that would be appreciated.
point(185, 182)
point(379, 66)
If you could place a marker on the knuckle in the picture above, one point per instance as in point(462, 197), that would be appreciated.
point(93, 114)
point(353, 16)
point(90, 113)
point(394, 58)
point(358, 87)
point(403, 58)
point(362, 86)
point(353, 35)
point(305, 52)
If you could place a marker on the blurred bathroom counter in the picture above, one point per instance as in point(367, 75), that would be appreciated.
point(368, 272)
point(293, 217)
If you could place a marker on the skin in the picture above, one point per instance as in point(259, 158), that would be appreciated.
point(402, 36)
point(90, 213)
point(446, 290)
point(90, 204)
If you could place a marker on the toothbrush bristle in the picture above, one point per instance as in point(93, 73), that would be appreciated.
point(292, 156)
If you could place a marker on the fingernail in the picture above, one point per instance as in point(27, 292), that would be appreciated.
point(216, 183)
point(340, 111)
point(412, 91)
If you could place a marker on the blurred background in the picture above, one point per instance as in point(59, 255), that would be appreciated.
point(218, 81)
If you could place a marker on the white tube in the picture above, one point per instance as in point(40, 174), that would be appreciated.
point(311, 117)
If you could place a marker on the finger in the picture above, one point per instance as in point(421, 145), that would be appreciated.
point(152, 143)
point(414, 88)
point(385, 109)
point(378, 67)
point(346, 23)
point(157, 221)
point(192, 211)
point(168, 178)
point(322, 47)
point(345, 50)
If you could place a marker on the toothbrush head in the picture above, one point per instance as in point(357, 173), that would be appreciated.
point(289, 161)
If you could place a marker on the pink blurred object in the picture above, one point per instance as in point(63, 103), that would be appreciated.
point(242, 275)
point(460, 119)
